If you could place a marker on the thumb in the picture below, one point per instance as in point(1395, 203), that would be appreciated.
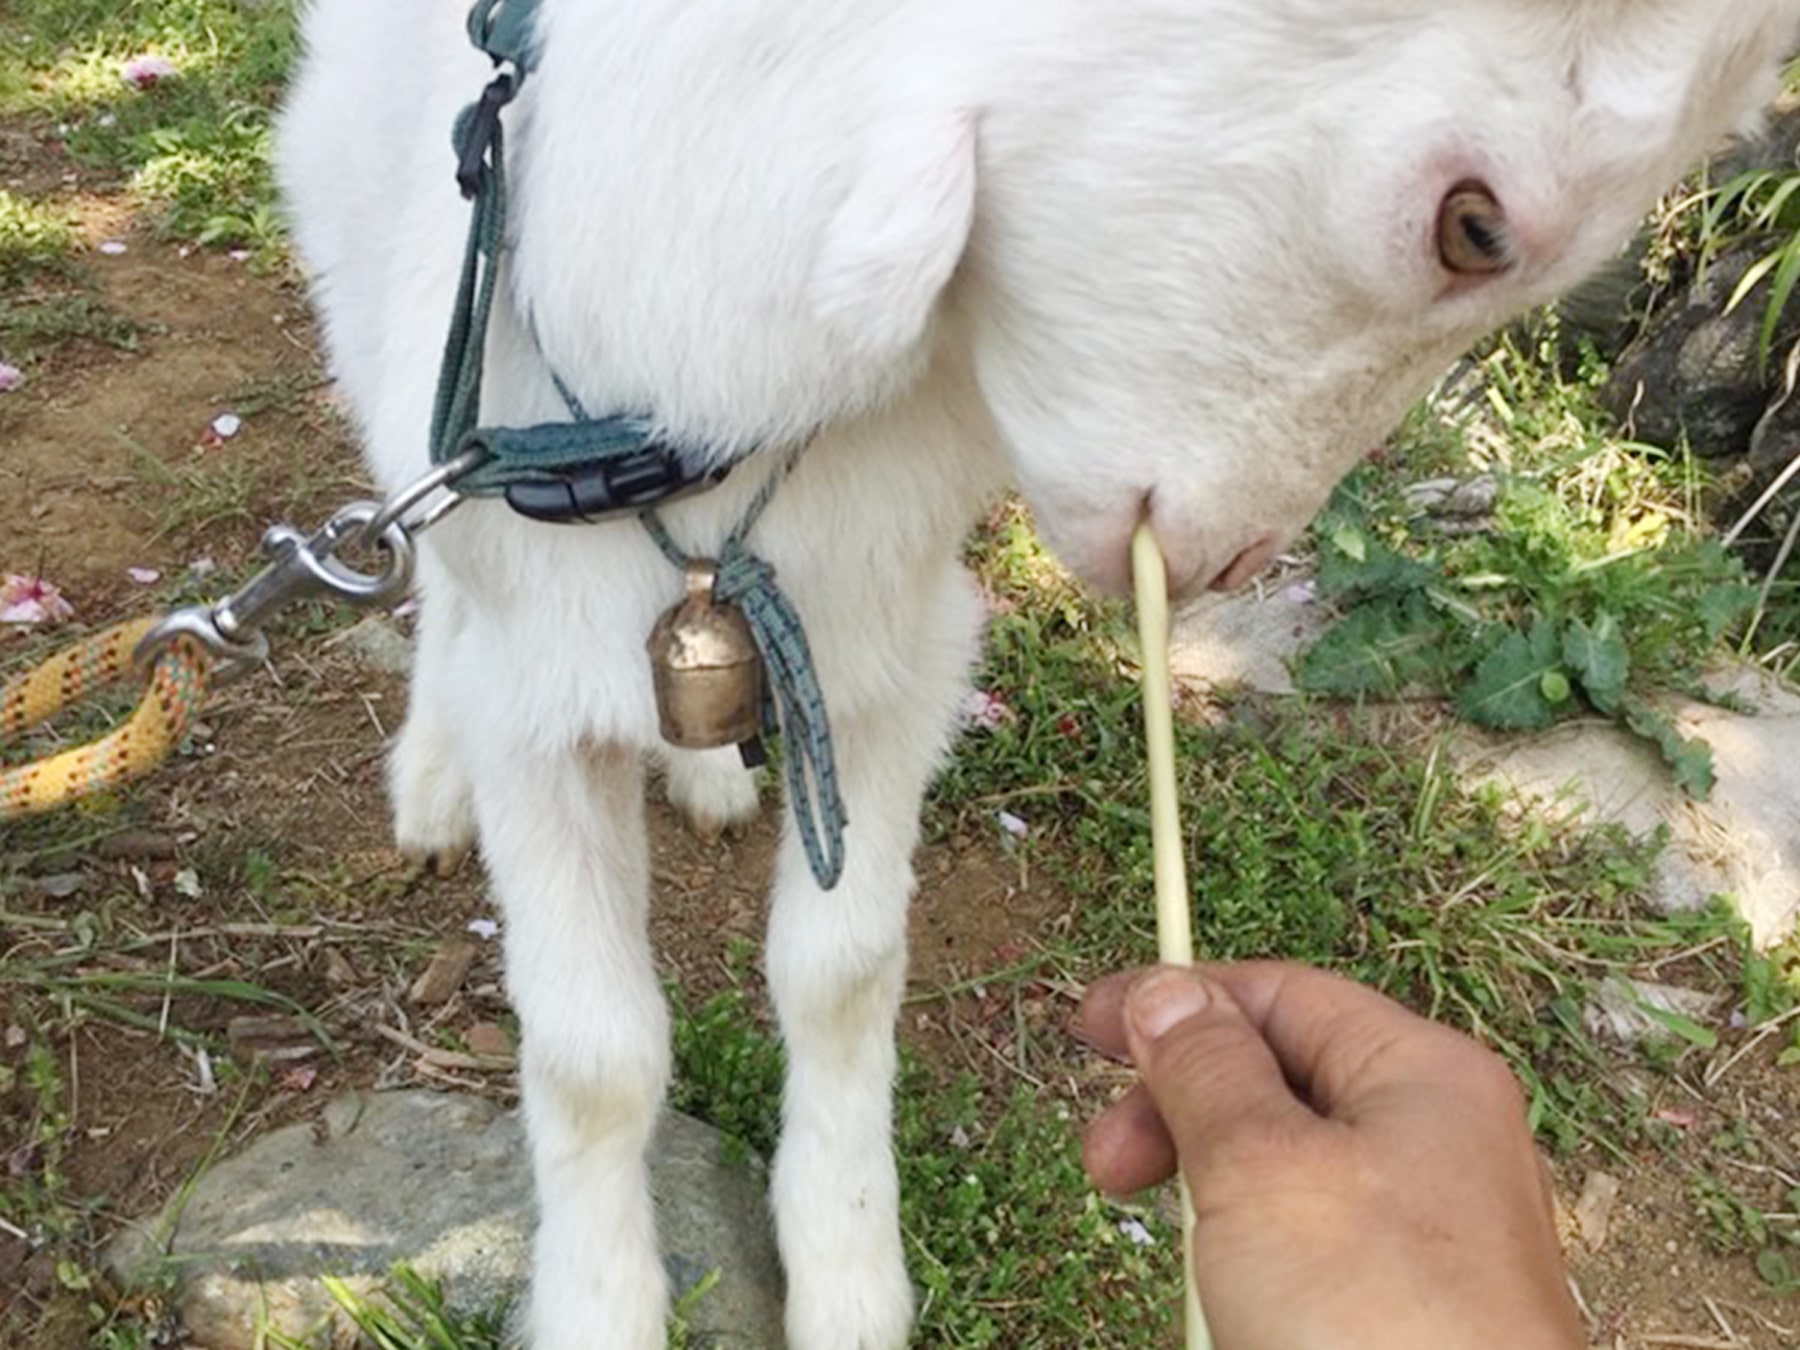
point(1208, 1068)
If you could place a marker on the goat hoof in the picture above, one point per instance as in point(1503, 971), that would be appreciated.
point(440, 863)
point(712, 792)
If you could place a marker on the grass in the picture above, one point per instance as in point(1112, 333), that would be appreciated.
point(1327, 839)
point(192, 148)
point(33, 239)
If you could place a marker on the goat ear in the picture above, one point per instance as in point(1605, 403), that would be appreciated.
point(897, 237)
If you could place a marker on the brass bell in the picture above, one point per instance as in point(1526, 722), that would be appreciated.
point(708, 673)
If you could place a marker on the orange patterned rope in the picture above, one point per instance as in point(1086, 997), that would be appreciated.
point(177, 689)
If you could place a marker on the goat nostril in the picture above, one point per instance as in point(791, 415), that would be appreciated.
point(1242, 570)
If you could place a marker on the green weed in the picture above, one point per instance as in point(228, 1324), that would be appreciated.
point(1589, 592)
point(33, 322)
point(728, 1071)
point(33, 239)
point(408, 1314)
point(1765, 204)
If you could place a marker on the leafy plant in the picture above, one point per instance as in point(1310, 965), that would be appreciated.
point(1586, 594)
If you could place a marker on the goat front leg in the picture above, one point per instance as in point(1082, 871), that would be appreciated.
point(563, 837)
point(837, 968)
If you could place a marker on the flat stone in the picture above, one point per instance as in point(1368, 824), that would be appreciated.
point(1248, 639)
point(442, 1183)
point(1743, 841)
point(377, 644)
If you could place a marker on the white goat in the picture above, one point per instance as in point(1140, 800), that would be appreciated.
point(1183, 259)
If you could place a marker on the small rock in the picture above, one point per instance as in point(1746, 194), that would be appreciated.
point(445, 974)
point(1625, 1009)
point(339, 973)
point(58, 886)
point(376, 643)
point(1594, 1211)
point(1454, 498)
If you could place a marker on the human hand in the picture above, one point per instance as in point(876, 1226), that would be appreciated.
point(1362, 1178)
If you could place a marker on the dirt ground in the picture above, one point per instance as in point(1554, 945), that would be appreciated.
point(263, 854)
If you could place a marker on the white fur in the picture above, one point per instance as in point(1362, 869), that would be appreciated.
point(1143, 256)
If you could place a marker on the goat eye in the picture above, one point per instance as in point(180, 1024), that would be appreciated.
point(1471, 231)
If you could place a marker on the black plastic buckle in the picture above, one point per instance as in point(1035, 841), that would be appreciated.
point(592, 493)
point(475, 134)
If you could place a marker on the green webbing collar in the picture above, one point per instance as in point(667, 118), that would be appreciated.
point(591, 468)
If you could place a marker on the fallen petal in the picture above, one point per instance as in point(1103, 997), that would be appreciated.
point(297, 1079)
point(11, 377)
point(983, 711)
point(143, 72)
point(144, 576)
point(112, 248)
point(1136, 1234)
point(226, 425)
point(27, 599)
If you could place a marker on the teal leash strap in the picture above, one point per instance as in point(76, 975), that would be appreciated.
point(506, 31)
point(508, 456)
point(795, 704)
point(480, 141)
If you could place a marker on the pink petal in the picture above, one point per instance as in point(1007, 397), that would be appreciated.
point(983, 710)
point(144, 576)
point(27, 600)
point(11, 377)
point(142, 72)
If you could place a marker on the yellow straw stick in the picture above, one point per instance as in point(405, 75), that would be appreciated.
point(1174, 925)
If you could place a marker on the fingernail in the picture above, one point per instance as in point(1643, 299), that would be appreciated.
point(1160, 1000)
